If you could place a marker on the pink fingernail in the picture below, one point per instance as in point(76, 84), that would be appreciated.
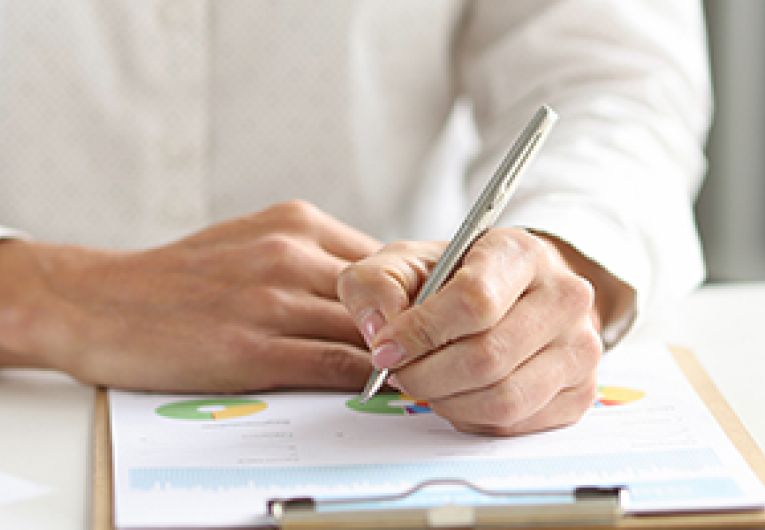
point(371, 322)
point(393, 381)
point(387, 355)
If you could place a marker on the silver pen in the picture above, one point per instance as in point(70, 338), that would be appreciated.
point(482, 216)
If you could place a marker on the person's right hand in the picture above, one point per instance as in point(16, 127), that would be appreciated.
point(245, 305)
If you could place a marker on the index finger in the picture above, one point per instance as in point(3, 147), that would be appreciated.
point(378, 288)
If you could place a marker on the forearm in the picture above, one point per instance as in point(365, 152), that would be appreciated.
point(15, 294)
point(13, 360)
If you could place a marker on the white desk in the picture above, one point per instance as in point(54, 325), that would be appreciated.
point(48, 438)
point(725, 327)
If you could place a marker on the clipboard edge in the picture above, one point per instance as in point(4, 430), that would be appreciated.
point(102, 504)
point(721, 410)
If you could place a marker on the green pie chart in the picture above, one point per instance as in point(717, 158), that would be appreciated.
point(396, 404)
point(211, 409)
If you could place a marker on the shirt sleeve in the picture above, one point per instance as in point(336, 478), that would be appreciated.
point(9, 233)
point(619, 173)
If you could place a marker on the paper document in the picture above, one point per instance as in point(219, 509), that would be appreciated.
point(14, 489)
point(215, 460)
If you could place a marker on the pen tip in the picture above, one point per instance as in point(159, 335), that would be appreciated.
point(374, 383)
point(366, 394)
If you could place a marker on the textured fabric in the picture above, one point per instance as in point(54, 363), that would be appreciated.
point(128, 124)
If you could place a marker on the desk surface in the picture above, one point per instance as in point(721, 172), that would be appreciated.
point(47, 440)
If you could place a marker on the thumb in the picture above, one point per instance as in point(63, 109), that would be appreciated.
point(377, 288)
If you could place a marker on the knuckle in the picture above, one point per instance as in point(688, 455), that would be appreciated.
point(298, 212)
point(298, 208)
point(576, 293)
point(479, 298)
point(580, 357)
point(509, 238)
point(508, 406)
point(279, 248)
point(486, 362)
point(590, 348)
point(528, 244)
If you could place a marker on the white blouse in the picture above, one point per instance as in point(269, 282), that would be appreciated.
point(130, 123)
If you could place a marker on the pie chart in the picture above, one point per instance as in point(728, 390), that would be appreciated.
point(396, 404)
point(211, 409)
point(609, 396)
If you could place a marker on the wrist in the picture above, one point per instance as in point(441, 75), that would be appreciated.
point(34, 325)
point(614, 299)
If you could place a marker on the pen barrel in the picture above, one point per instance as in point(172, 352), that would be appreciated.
point(493, 199)
point(482, 216)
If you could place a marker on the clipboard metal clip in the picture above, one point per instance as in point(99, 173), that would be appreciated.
point(453, 503)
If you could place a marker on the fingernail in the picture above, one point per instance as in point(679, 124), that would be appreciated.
point(387, 355)
point(393, 381)
point(371, 322)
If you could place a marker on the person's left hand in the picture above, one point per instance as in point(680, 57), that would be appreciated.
point(509, 344)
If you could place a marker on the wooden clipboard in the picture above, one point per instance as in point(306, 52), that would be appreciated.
point(102, 501)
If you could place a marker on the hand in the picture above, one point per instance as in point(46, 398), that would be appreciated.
point(245, 305)
point(509, 344)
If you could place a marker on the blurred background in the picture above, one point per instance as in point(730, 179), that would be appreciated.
point(731, 207)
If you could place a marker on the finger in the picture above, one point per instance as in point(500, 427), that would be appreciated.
point(224, 358)
point(296, 314)
point(527, 390)
point(274, 259)
point(334, 236)
point(379, 287)
point(500, 267)
point(566, 408)
point(298, 264)
point(324, 271)
point(484, 359)
point(307, 363)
